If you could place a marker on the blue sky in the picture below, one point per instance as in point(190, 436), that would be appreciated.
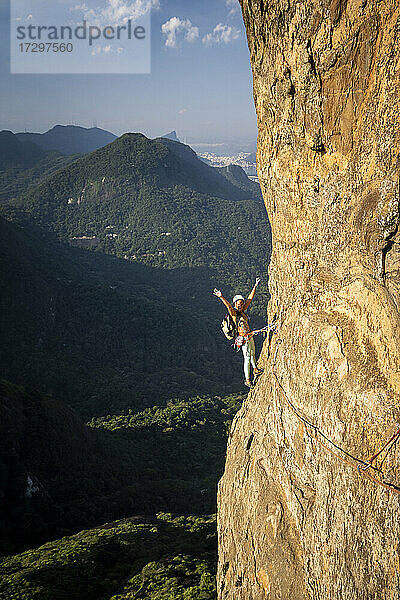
point(200, 82)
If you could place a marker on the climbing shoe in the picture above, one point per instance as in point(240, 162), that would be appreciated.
point(256, 375)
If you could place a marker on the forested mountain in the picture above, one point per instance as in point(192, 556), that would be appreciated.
point(58, 475)
point(24, 163)
point(107, 267)
point(163, 557)
point(155, 202)
point(17, 154)
point(70, 139)
point(104, 333)
point(236, 175)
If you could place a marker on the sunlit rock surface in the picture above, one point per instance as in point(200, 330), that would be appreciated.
point(297, 516)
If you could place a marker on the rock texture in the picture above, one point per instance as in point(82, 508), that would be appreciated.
point(297, 517)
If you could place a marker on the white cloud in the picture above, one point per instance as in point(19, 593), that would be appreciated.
point(117, 11)
point(221, 34)
point(175, 28)
point(192, 34)
point(107, 49)
point(119, 50)
point(182, 111)
point(233, 6)
point(29, 17)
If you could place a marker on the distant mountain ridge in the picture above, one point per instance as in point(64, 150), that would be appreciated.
point(14, 152)
point(23, 163)
point(70, 139)
point(237, 175)
point(172, 135)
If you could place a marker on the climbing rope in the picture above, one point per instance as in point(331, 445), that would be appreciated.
point(362, 466)
point(390, 441)
point(389, 449)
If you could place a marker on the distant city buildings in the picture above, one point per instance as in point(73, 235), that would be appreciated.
point(246, 160)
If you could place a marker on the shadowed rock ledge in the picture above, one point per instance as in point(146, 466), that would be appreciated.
point(297, 517)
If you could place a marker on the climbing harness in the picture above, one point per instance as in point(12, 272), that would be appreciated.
point(362, 466)
point(242, 339)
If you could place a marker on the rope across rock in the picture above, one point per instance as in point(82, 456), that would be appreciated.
point(363, 467)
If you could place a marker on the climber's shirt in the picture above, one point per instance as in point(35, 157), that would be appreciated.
point(242, 321)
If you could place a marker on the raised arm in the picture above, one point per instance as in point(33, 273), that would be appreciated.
point(219, 295)
point(251, 295)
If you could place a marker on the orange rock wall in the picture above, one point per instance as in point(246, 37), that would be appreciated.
point(297, 517)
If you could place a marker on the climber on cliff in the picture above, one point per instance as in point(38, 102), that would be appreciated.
point(238, 313)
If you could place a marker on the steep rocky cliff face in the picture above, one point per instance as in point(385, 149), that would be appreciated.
point(298, 516)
